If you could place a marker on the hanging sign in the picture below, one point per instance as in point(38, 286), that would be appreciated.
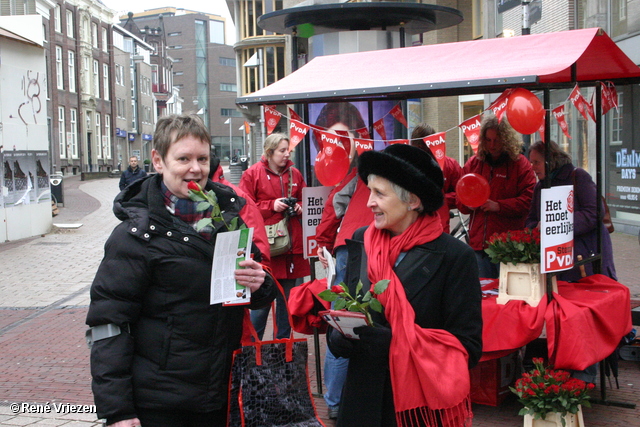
point(271, 118)
point(313, 200)
point(556, 228)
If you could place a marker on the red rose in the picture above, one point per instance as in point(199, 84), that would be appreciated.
point(337, 289)
point(193, 186)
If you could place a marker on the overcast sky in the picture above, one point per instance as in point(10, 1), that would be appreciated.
point(215, 7)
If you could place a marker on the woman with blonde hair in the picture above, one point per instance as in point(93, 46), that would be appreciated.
point(511, 180)
point(273, 184)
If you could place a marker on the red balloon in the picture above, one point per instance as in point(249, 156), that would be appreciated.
point(473, 190)
point(524, 111)
point(332, 164)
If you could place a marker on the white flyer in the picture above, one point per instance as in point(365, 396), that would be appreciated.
point(231, 248)
point(331, 268)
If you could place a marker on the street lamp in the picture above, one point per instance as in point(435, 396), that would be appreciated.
point(228, 122)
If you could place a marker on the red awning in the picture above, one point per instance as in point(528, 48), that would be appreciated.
point(479, 66)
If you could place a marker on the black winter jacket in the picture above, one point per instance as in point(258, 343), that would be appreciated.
point(129, 175)
point(441, 281)
point(155, 277)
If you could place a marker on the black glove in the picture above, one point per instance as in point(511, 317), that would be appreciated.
point(340, 345)
point(375, 339)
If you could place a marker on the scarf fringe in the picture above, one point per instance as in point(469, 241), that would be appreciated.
point(460, 415)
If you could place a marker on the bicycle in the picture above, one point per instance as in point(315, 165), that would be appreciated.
point(461, 229)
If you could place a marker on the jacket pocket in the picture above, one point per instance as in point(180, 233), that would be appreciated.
point(166, 344)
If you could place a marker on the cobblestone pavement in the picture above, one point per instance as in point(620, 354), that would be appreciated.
point(44, 296)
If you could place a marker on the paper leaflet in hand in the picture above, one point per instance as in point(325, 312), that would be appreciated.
point(331, 268)
point(344, 321)
point(231, 248)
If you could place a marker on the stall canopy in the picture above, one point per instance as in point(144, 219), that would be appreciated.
point(549, 60)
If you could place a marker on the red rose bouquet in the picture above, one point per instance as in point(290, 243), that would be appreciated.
point(515, 246)
point(342, 299)
point(544, 390)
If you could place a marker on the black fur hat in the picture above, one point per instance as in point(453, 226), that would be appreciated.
point(408, 167)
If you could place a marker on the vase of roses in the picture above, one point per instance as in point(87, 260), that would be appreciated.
point(518, 252)
point(551, 397)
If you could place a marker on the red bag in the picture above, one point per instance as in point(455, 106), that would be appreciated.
point(304, 305)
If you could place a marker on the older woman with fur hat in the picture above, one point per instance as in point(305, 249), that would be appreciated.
point(411, 367)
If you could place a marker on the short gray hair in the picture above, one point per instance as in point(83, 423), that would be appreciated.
point(403, 194)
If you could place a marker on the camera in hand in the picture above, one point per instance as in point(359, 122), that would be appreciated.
point(291, 203)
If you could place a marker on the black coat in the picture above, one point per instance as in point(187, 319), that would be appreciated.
point(155, 277)
point(442, 285)
point(129, 175)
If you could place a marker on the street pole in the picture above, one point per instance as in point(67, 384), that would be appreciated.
point(230, 138)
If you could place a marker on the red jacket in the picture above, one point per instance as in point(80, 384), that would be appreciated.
point(251, 216)
point(511, 186)
point(265, 186)
point(344, 212)
point(452, 173)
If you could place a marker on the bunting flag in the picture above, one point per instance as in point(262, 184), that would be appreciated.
point(609, 97)
point(436, 144)
point(541, 128)
point(399, 141)
point(363, 145)
point(500, 105)
point(378, 126)
point(294, 115)
point(471, 129)
point(558, 113)
point(364, 133)
point(297, 131)
point(396, 112)
point(331, 138)
point(271, 117)
point(247, 127)
point(579, 102)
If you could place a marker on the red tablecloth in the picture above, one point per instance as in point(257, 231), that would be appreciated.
point(585, 322)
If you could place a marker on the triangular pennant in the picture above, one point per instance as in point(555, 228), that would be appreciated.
point(499, 106)
point(297, 131)
point(399, 141)
point(293, 115)
point(436, 144)
point(541, 128)
point(396, 112)
point(247, 127)
point(471, 129)
point(579, 102)
point(316, 135)
point(330, 138)
point(609, 97)
point(364, 133)
point(271, 117)
point(363, 145)
point(378, 126)
point(558, 113)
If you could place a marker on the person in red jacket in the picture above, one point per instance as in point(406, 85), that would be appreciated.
point(451, 171)
point(344, 212)
point(511, 180)
point(249, 213)
point(267, 183)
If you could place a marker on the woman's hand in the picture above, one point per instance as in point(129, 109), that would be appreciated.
point(251, 276)
point(134, 422)
point(490, 206)
point(279, 205)
point(321, 258)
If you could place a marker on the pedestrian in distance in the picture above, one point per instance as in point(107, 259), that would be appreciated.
point(132, 173)
point(161, 353)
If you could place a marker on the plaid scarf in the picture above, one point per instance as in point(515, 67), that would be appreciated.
point(185, 209)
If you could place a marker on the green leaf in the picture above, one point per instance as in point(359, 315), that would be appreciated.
point(202, 206)
point(327, 295)
point(366, 297)
point(203, 223)
point(339, 304)
point(381, 286)
point(233, 224)
point(375, 305)
point(196, 197)
point(358, 287)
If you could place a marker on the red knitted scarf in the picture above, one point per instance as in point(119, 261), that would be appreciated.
point(429, 367)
